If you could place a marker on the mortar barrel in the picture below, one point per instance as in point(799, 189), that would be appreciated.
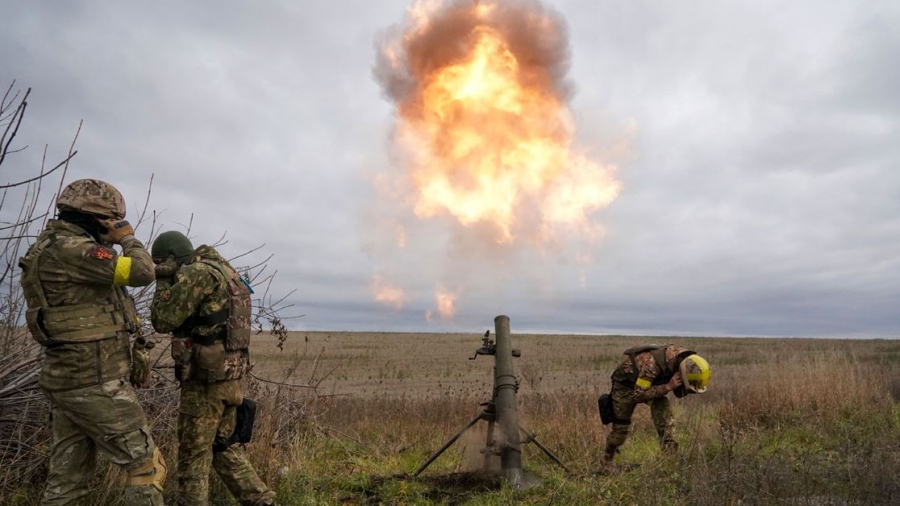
point(507, 411)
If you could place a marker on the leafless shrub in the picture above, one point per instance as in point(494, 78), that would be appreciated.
point(23, 409)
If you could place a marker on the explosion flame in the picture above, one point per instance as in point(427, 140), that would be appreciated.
point(483, 128)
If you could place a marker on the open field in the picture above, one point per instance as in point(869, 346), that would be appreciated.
point(786, 421)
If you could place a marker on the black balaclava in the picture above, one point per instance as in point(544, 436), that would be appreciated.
point(87, 222)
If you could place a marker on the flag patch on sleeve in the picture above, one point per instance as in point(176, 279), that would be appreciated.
point(101, 253)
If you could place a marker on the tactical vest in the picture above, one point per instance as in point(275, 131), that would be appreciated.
point(76, 323)
point(216, 358)
point(238, 312)
point(658, 351)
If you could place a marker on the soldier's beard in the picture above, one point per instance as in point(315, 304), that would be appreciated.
point(86, 222)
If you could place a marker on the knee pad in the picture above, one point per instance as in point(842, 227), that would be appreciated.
point(153, 472)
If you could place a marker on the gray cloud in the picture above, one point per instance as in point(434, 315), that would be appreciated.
point(761, 188)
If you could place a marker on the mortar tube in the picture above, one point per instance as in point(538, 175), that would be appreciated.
point(507, 411)
point(491, 458)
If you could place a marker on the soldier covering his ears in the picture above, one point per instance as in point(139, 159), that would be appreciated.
point(206, 305)
point(80, 312)
point(647, 374)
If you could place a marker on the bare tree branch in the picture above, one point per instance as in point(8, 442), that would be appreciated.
point(20, 223)
point(13, 127)
point(42, 175)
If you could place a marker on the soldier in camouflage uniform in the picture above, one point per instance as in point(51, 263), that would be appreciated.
point(206, 305)
point(79, 310)
point(647, 374)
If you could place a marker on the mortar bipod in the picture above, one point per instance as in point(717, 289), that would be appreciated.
point(489, 415)
point(500, 409)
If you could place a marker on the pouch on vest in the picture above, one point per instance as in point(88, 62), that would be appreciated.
point(237, 364)
point(240, 308)
point(208, 363)
point(605, 405)
point(182, 355)
point(238, 316)
point(33, 291)
point(33, 321)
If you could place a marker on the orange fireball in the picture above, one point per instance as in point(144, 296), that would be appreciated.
point(485, 135)
point(482, 119)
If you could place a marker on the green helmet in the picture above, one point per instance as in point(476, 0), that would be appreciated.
point(92, 196)
point(172, 243)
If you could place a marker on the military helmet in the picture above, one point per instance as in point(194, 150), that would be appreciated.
point(172, 243)
point(695, 373)
point(92, 196)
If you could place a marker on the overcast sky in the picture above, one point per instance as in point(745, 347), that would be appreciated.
point(757, 143)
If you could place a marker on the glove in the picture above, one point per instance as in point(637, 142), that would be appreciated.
point(116, 231)
point(674, 383)
point(140, 362)
point(166, 269)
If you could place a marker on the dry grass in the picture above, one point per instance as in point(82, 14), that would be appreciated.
point(786, 421)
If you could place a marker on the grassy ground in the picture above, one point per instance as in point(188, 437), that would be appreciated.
point(786, 421)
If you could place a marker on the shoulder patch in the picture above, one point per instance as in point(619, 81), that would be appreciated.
point(165, 296)
point(101, 253)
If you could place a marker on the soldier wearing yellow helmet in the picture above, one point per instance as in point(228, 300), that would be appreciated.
point(79, 310)
point(647, 374)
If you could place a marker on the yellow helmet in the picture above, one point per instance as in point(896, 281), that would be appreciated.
point(695, 373)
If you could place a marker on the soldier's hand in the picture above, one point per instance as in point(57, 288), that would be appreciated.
point(116, 231)
point(166, 269)
point(675, 382)
point(140, 362)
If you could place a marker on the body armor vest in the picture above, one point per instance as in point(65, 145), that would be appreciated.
point(221, 357)
point(78, 323)
point(239, 310)
point(659, 355)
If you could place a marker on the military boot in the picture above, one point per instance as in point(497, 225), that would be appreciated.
point(606, 460)
point(669, 447)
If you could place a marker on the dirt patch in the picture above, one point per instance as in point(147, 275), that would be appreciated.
point(451, 489)
point(456, 488)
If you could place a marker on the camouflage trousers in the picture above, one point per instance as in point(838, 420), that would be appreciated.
point(623, 407)
point(105, 419)
point(208, 410)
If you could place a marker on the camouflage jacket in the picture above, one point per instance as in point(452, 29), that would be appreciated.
point(198, 290)
point(75, 269)
point(195, 290)
point(651, 382)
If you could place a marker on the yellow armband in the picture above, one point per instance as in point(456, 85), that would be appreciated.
point(123, 270)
